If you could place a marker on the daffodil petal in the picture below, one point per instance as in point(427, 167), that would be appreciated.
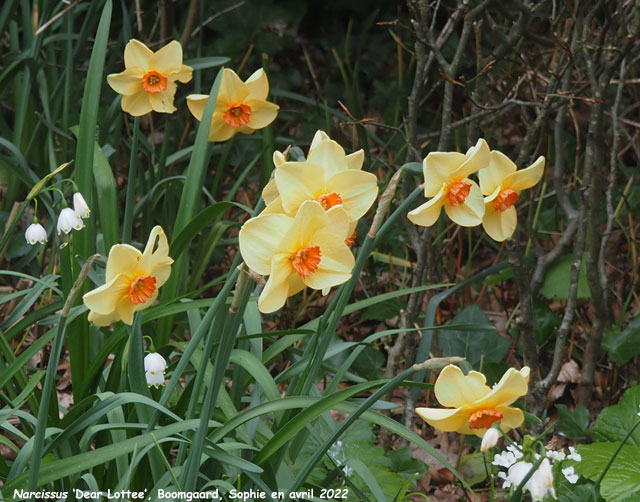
point(162, 102)
point(427, 214)
point(259, 240)
point(262, 113)
point(232, 89)
point(184, 75)
point(104, 299)
point(471, 211)
point(274, 207)
point(476, 158)
point(357, 189)
point(122, 259)
point(526, 178)
point(270, 192)
point(168, 59)
point(335, 264)
point(155, 260)
point(278, 158)
point(220, 130)
point(499, 225)
point(355, 160)
point(330, 155)
point(297, 182)
point(454, 389)
point(258, 85)
point(447, 420)
point(196, 104)
point(137, 104)
point(492, 176)
point(309, 218)
point(137, 55)
point(511, 417)
point(276, 290)
point(511, 386)
point(318, 137)
point(126, 83)
point(437, 168)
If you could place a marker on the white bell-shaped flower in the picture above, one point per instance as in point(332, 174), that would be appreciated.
point(69, 220)
point(80, 206)
point(154, 366)
point(490, 439)
point(35, 233)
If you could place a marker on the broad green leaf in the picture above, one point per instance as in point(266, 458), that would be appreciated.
point(615, 422)
point(556, 280)
point(623, 345)
point(573, 424)
point(622, 479)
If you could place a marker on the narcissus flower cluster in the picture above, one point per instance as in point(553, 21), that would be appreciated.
point(491, 204)
point(303, 236)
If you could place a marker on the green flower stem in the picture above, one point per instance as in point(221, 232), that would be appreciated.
point(127, 225)
point(48, 388)
point(13, 221)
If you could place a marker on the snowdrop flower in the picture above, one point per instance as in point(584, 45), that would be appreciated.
point(570, 474)
point(68, 220)
point(35, 233)
point(517, 472)
point(574, 455)
point(154, 366)
point(489, 439)
point(80, 206)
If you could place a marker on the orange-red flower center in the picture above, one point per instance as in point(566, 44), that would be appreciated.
point(154, 82)
point(505, 200)
point(458, 192)
point(328, 200)
point(305, 261)
point(483, 419)
point(141, 289)
point(351, 240)
point(237, 115)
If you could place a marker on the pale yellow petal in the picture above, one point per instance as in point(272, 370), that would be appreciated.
point(274, 207)
point(329, 155)
point(104, 299)
point(270, 191)
point(262, 113)
point(137, 55)
point(336, 260)
point(184, 75)
point(309, 218)
point(492, 176)
point(162, 102)
point(476, 158)
point(526, 178)
point(297, 182)
point(339, 223)
point(437, 168)
point(276, 290)
point(122, 259)
point(127, 313)
point(355, 160)
point(319, 137)
point(499, 225)
point(454, 389)
point(258, 85)
point(232, 89)
point(427, 214)
point(511, 418)
point(278, 158)
point(155, 260)
point(126, 83)
point(357, 189)
point(220, 130)
point(447, 420)
point(196, 104)
point(259, 240)
point(512, 385)
point(137, 104)
point(168, 59)
point(471, 211)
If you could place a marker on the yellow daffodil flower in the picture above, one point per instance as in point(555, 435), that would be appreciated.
point(132, 280)
point(308, 250)
point(473, 405)
point(240, 107)
point(149, 79)
point(501, 182)
point(327, 176)
point(446, 180)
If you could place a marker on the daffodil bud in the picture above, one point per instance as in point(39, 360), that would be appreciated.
point(154, 366)
point(35, 233)
point(490, 439)
point(68, 220)
point(80, 206)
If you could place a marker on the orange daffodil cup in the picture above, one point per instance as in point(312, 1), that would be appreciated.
point(149, 79)
point(446, 180)
point(241, 106)
point(472, 406)
point(501, 182)
point(306, 250)
point(132, 280)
